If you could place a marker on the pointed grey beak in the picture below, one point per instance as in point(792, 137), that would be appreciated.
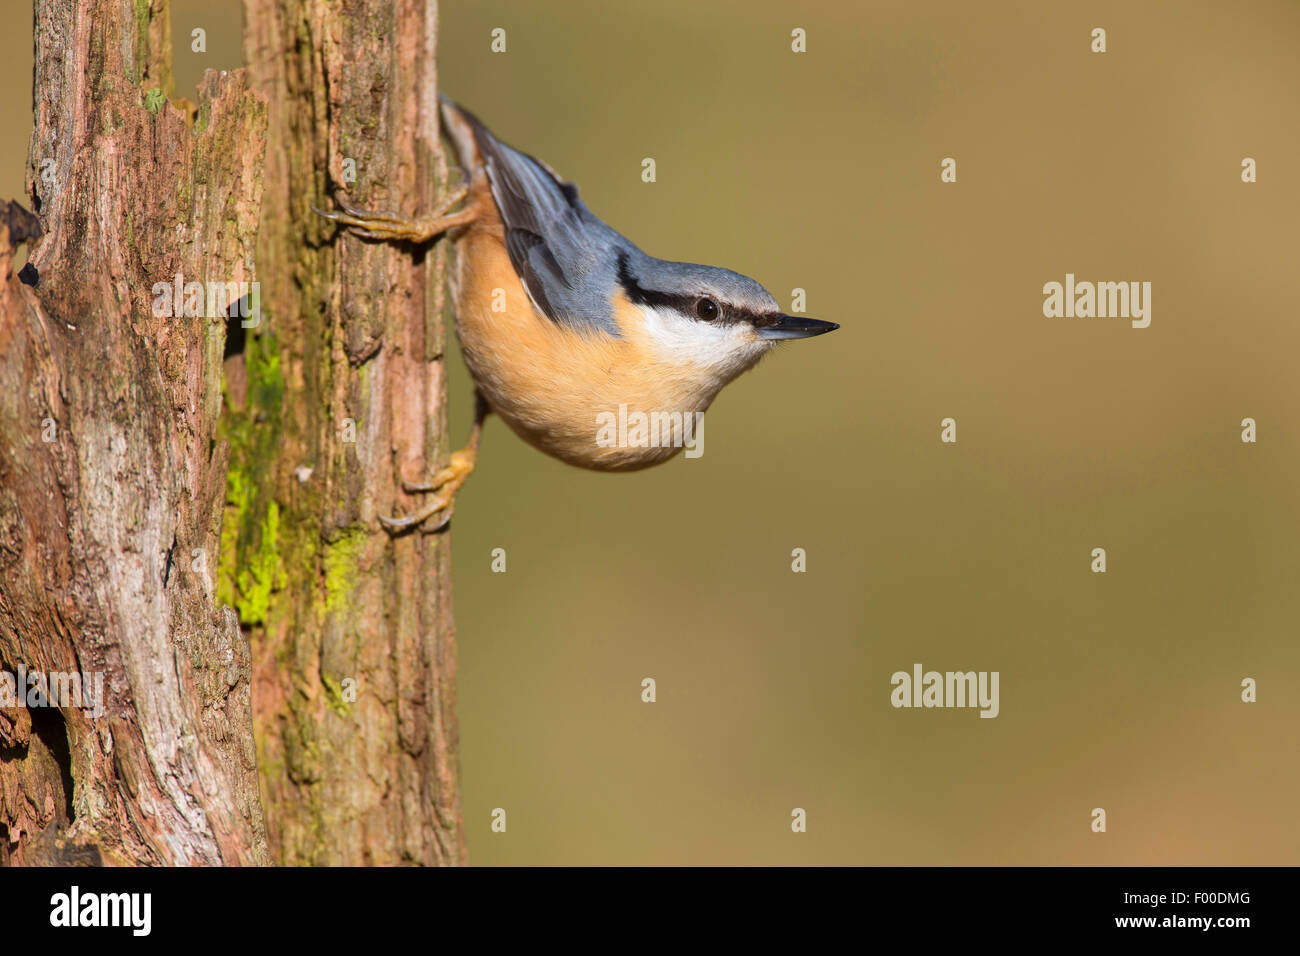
point(795, 327)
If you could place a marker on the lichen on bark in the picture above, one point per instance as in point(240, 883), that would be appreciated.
point(355, 654)
point(309, 641)
point(109, 518)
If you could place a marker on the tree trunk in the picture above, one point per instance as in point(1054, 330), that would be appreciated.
point(355, 657)
point(142, 491)
point(111, 480)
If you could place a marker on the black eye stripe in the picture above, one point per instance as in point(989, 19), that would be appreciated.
point(685, 304)
point(643, 296)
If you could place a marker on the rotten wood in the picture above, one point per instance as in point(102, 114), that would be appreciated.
point(112, 481)
point(355, 656)
point(188, 503)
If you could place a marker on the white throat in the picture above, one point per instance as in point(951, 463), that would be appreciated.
point(716, 351)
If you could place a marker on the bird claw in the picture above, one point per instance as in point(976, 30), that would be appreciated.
point(385, 224)
point(357, 212)
point(396, 526)
point(447, 482)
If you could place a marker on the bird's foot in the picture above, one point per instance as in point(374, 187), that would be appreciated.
point(386, 225)
point(446, 483)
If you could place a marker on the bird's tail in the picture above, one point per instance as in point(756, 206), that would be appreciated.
point(463, 129)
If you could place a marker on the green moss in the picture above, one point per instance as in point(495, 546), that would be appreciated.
point(265, 381)
point(154, 100)
point(251, 565)
point(228, 556)
point(341, 569)
point(262, 573)
point(141, 10)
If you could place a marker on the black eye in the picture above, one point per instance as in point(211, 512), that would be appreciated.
point(707, 309)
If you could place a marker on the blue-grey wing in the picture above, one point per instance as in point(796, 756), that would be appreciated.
point(565, 256)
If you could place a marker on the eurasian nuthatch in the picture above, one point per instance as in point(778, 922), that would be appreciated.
point(563, 322)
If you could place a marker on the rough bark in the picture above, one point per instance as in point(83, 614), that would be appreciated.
point(111, 478)
point(355, 658)
point(173, 446)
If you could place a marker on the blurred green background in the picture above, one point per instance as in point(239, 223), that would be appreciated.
point(821, 171)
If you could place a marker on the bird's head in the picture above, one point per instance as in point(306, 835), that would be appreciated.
point(714, 321)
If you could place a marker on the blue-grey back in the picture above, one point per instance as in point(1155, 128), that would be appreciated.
point(571, 262)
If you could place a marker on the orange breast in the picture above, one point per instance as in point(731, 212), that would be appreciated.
point(555, 387)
